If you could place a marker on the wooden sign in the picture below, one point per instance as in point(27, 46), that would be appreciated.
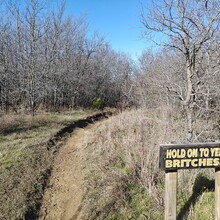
point(189, 156)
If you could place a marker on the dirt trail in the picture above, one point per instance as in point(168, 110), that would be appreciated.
point(63, 197)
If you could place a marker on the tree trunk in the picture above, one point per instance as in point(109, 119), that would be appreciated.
point(187, 103)
point(189, 118)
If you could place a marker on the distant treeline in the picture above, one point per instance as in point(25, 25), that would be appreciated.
point(50, 61)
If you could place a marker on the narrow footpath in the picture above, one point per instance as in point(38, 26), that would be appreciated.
point(66, 189)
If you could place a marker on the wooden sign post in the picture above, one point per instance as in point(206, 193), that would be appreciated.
point(190, 156)
point(217, 193)
point(170, 195)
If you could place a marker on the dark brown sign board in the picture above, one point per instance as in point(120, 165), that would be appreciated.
point(189, 156)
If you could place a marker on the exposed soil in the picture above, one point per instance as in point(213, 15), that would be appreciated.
point(66, 189)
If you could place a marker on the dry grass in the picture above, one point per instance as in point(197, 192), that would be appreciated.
point(127, 148)
point(25, 161)
point(124, 180)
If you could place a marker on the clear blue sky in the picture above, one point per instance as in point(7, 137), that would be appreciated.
point(117, 20)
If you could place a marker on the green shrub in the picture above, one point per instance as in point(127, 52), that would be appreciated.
point(97, 103)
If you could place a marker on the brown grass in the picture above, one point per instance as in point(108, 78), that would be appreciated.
point(124, 180)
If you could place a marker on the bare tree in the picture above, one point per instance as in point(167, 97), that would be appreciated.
point(186, 27)
point(49, 61)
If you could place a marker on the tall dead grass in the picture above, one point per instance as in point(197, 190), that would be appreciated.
point(125, 151)
point(12, 123)
point(124, 180)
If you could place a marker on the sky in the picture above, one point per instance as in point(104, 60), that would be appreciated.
point(118, 21)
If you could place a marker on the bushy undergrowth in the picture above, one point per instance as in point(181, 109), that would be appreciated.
point(124, 180)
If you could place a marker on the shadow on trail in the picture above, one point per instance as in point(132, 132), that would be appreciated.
point(201, 184)
point(81, 123)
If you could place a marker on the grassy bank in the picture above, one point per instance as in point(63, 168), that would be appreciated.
point(124, 180)
point(26, 161)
